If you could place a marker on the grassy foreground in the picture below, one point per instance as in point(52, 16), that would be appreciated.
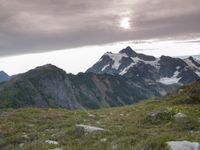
point(129, 127)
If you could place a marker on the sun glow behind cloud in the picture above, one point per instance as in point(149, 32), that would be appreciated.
point(125, 23)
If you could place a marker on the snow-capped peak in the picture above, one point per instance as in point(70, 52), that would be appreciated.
point(192, 62)
point(129, 52)
point(166, 70)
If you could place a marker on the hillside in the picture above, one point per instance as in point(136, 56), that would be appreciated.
point(147, 125)
point(189, 94)
point(51, 87)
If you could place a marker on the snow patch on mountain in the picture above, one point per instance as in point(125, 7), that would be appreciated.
point(190, 63)
point(130, 64)
point(136, 60)
point(172, 80)
point(106, 66)
point(198, 73)
point(116, 58)
point(124, 71)
point(194, 64)
point(178, 67)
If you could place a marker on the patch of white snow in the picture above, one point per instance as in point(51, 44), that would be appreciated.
point(172, 80)
point(116, 58)
point(125, 70)
point(105, 67)
point(198, 73)
point(190, 63)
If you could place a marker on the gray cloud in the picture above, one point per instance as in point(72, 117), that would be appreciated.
point(29, 26)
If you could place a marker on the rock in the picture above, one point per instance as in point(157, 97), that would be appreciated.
point(5, 114)
point(21, 145)
point(121, 115)
point(114, 146)
point(25, 135)
point(98, 122)
point(91, 116)
point(58, 148)
point(180, 115)
point(103, 140)
point(183, 145)
point(198, 119)
point(51, 142)
point(89, 129)
point(194, 131)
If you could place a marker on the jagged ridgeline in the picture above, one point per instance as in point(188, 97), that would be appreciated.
point(115, 80)
point(49, 86)
point(166, 70)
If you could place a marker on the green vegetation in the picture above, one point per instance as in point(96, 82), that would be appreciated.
point(127, 127)
point(189, 94)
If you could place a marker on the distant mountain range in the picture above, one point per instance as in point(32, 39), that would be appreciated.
point(4, 76)
point(115, 80)
point(49, 86)
point(197, 57)
point(166, 70)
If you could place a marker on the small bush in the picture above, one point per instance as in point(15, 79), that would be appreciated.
point(158, 117)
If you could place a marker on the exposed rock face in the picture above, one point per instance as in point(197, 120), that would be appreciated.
point(49, 86)
point(116, 80)
point(183, 145)
point(166, 70)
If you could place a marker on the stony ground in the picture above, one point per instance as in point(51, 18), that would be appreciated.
point(147, 125)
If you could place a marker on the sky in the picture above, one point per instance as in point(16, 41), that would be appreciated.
point(73, 34)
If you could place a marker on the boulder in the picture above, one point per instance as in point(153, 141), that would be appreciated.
point(89, 129)
point(180, 115)
point(183, 145)
point(51, 142)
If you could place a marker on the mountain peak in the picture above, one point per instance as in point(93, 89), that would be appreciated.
point(128, 51)
point(191, 58)
point(47, 69)
point(4, 76)
point(48, 66)
point(192, 61)
point(2, 72)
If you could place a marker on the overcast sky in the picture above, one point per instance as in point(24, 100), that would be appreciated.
point(42, 26)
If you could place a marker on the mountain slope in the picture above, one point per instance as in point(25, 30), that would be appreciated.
point(4, 76)
point(188, 94)
point(49, 86)
point(166, 70)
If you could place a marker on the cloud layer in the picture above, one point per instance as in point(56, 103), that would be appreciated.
point(37, 26)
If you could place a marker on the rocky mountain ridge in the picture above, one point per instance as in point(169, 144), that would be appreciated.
point(49, 86)
point(166, 70)
point(115, 80)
